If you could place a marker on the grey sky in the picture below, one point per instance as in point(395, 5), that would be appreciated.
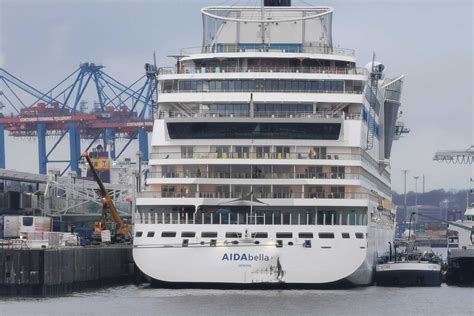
point(429, 41)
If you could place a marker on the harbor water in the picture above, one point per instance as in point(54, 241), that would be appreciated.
point(144, 300)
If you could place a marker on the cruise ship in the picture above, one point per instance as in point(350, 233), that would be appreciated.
point(269, 162)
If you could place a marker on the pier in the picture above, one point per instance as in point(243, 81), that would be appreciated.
point(49, 272)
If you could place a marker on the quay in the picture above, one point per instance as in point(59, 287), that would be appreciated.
point(49, 272)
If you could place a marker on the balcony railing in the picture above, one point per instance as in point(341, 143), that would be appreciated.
point(263, 89)
point(252, 155)
point(257, 195)
point(306, 70)
point(261, 114)
point(232, 48)
point(264, 175)
point(255, 218)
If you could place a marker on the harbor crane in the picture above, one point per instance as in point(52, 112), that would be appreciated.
point(456, 156)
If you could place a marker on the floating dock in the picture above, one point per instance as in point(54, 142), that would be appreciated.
point(47, 272)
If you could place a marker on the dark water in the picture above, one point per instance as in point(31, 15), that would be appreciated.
point(142, 300)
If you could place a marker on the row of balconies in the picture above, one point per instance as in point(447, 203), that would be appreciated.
point(248, 175)
point(234, 69)
point(247, 154)
point(259, 191)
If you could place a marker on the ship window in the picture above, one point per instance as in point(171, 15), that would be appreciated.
point(259, 235)
point(200, 130)
point(138, 234)
point(359, 236)
point(209, 234)
point(284, 235)
point(238, 85)
point(150, 234)
point(326, 235)
point(233, 235)
point(168, 234)
point(346, 235)
point(188, 234)
point(27, 221)
point(305, 235)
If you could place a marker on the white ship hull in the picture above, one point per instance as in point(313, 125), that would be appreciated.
point(327, 261)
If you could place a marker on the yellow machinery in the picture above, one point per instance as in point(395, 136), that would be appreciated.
point(122, 230)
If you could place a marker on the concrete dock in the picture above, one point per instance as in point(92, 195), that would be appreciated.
point(47, 272)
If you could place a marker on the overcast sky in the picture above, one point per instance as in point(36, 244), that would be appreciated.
point(431, 42)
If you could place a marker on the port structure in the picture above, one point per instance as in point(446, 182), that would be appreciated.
point(120, 111)
point(456, 156)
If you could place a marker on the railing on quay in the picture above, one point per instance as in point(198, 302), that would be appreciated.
point(250, 69)
point(217, 49)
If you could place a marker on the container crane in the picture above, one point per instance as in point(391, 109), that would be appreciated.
point(122, 230)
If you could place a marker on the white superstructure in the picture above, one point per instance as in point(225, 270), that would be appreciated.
point(270, 156)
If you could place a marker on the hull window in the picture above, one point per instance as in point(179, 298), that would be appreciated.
point(284, 235)
point(168, 234)
point(326, 235)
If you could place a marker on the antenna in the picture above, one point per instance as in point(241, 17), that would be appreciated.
point(154, 58)
point(262, 12)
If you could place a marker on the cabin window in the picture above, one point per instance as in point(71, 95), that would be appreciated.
point(346, 235)
point(284, 235)
point(188, 234)
point(326, 235)
point(27, 221)
point(150, 234)
point(259, 235)
point(233, 235)
point(168, 234)
point(138, 234)
point(305, 235)
point(359, 236)
point(209, 234)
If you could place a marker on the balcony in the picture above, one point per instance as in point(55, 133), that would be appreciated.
point(304, 70)
point(254, 155)
point(248, 175)
point(257, 195)
point(260, 114)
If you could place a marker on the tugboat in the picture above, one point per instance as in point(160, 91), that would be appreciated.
point(408, 268)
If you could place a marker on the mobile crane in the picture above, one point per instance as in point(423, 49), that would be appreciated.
point(121, 229)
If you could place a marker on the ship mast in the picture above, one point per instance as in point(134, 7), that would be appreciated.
point(262, 15)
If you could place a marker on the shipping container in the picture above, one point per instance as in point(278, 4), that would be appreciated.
point(15, 225)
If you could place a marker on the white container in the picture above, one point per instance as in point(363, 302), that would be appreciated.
point(105, 236)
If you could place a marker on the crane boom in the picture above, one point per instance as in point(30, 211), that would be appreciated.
point(106, 199)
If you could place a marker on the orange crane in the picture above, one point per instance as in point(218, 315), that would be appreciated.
point(122, 230)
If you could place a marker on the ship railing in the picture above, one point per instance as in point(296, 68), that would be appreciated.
point(264, 90)
point(253, 155)
point(250, 69)
point(258, 114)
point(254, 218)
point(233, 48)
point(255, 175)
point(258, 195)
